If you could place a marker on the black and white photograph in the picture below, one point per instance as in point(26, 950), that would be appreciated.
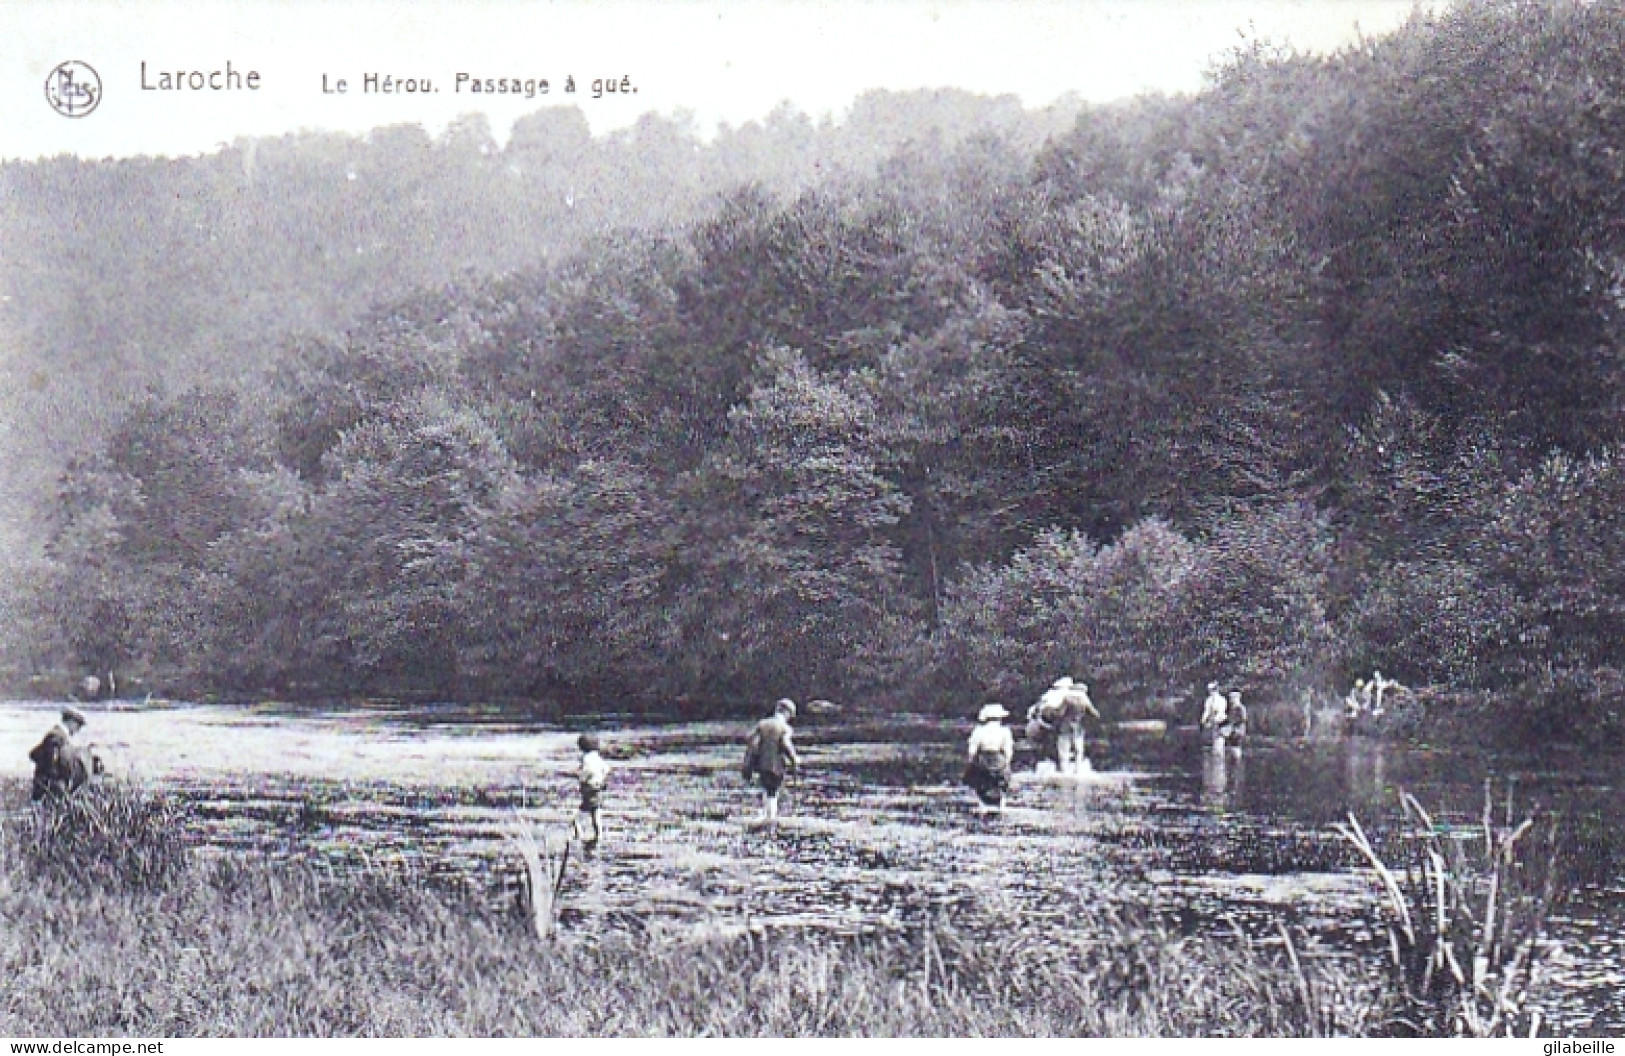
point(785, 518)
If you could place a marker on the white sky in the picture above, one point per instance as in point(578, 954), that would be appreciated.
point(725, 60)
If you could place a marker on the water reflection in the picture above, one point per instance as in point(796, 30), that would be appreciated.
point(1223, 769)
point(1364, 772)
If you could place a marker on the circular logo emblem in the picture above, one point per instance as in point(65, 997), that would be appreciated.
point(73, 89)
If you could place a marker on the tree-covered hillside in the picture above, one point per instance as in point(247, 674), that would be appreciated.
point(124, 276)
point(1313, 372)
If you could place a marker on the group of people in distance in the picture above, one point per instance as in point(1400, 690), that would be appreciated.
point(1057, 726)
point(62, 766)
point(1224, 718)
point(1365, 699)
point(770, 756)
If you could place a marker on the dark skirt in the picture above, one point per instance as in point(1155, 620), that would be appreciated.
point(990, 781)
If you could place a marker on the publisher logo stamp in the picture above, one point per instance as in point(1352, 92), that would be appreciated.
point(73, 89)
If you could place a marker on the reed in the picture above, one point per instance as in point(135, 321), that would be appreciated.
point(543, 878)
point(1467, 911)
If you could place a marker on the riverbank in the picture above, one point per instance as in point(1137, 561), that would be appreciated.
point(109, 925)
point(1429, 716)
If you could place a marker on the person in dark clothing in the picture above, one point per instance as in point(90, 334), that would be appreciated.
point(770, 753)
point(1234, 729)
point(60, 766)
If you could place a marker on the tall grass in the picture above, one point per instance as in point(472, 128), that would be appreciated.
point(1467, 913)
point(249, 946)
point(107, 835)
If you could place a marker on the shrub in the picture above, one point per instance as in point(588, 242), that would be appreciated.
point(1580, 703)
point(1257, 611)
point(108, 835)
point(1432, 622)
point(1151, 614)
point(1065, 605)
point(1555, 543)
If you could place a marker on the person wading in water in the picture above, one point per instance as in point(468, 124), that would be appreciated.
point(1234, 729)
point(594, 775)
point(1057, 725)
point(992, 748)
point(1214, 710)
point(1072, 733)
point(770, 753)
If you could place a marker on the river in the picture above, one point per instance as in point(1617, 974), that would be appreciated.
point(877, 831)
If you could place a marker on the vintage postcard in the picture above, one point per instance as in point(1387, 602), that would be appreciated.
point(800, 518)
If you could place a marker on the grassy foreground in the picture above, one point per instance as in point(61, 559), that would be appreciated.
point(109, 925)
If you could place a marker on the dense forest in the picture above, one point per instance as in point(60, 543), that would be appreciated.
point(1315, 371)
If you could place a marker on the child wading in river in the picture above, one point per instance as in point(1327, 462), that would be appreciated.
point(594, 776)
point(770, 753)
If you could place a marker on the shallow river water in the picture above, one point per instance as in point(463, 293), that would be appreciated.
point(877, 833)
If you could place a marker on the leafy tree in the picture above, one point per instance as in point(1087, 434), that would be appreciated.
point(796, 577)
point(1555, 544)
point(394, 527)
point(1434, 623)
point(1258, 612)
point(568, 586)
point(1114, 616)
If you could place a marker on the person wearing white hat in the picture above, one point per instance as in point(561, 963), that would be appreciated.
point(1056, 724)
point(1214, 707)
point(992, 749)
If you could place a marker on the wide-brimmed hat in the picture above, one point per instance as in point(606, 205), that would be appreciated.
point(1212, 686)
point(786, 707)
point(73, 715)
point(990, 712)
point(1064, 682)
